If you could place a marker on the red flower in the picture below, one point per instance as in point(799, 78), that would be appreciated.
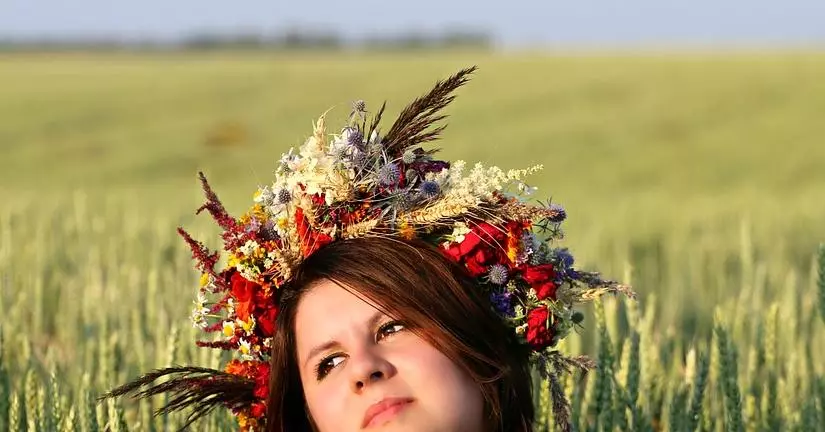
point(482, 247)
point(539, 335)
point(311, 240)
point(540, 277)
point(243, 290)
point(266, 321)
point(262, 381)
point(258, 410)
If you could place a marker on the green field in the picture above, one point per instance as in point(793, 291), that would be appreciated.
point(699, 178)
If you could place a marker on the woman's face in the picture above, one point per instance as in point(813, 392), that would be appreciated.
point(362, 370)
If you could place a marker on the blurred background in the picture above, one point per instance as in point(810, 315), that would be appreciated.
point(685, 140)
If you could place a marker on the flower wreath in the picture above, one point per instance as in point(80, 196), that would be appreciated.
point(360, 183)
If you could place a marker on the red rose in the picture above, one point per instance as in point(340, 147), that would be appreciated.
point(539, 335)
point(262, 381)
point(545, 290)
point(242, 291)
point(539, 273)
point(540, 277)
point(266, 321)
point(483, 246)
point(258, 410)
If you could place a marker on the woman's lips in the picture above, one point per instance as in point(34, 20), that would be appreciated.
point(383, 411)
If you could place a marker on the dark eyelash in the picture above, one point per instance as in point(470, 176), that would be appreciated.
point(389, 325)
point(322, 369)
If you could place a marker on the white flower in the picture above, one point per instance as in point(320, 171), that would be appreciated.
point(248, 272)
point(249, 247)
point(200, 311)
point(198, 318)
point(289, 159)
point(264, 195)
point(247, 350)
point(201, 299)
point(460, 229)
point(230, 306)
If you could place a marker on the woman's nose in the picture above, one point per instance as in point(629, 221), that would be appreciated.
point(367, 368)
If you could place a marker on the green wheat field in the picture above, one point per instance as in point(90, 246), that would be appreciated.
point(697, 178)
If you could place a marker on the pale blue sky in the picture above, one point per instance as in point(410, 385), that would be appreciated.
point(512, 22)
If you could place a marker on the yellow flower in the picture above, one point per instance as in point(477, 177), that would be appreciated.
point(406, 230)
point(245, 347)
point(228, 328)
point(247, 326)
point(204, 279)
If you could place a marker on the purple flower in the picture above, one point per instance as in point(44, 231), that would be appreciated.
point(253, 226)
point(430, 189)
point(564, 263)
point(502, 303)
point(564, 258)
point(561, 214)
point(355, 138)
point(268, 231)
point(359, 106)
point(389, 175)
point(284, 196)
point(429, 166)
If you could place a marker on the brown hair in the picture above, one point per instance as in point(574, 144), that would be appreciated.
point(442, 303)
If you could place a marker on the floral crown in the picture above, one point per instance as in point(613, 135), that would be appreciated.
point(360, 183)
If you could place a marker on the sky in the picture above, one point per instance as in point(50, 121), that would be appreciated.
point(512, 23)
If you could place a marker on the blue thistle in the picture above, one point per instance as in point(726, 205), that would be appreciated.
point(561, 213)
point(355, 138)
point(430, 189)
point(502, 303)
point(389, 175)
point(268, 231)
point(359, 106)
point(284, 196)
point(498, 274)
point(564, 258)
point(375, 147)
point(361, 160)
point(409, 156)
point(402, 201)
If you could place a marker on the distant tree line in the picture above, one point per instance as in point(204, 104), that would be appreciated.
point(289, 40)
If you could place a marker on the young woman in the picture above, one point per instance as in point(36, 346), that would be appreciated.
point(376, 332)
point(372, 287)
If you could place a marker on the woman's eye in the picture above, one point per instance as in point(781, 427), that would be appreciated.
point(389, 329)
point(327, 365)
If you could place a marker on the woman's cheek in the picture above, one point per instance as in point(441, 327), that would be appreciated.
point(327, 402)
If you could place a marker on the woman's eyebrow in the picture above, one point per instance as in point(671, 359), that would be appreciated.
point(334, 343)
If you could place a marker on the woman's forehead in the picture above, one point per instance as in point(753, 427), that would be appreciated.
point(327, 298)
point(327, 310)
